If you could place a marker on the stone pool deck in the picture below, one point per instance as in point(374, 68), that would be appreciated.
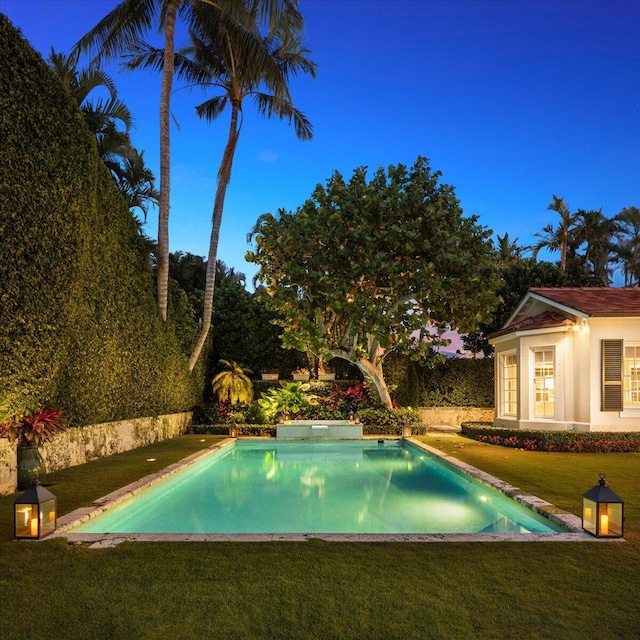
point(571, 522)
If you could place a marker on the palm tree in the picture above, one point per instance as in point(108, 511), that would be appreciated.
point(109, 121)
point(122, 29)
point(560, 239)
point(597, 232)
point(233, 384)
point(137, 183)
point(508, 250)
point(627, 247)
point(237, 61)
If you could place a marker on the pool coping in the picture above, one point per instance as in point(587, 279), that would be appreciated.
point(571, 522)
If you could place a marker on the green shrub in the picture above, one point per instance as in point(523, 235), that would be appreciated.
point(568, 441)
point(401, 377)
point(457, 382)
point(246, 430)
point(79, 329)
point(390, 421)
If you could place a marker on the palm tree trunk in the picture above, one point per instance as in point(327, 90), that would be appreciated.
point(224, 176)
point(163, 206)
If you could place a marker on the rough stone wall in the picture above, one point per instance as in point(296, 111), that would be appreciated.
point(8, 472)
point(455, 416)
point(82, 444)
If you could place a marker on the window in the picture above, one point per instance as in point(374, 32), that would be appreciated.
point(631, 375)
point(509, 384)
point(544, 383)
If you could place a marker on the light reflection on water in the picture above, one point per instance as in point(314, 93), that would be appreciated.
point(318, 487)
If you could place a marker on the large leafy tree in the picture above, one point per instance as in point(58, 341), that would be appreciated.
point(363, 265)
point(122, 30)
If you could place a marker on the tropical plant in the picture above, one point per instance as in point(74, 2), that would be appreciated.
point(397, 254)
point(290, 398)
point(561, 238)
point(233, 384)
point(596, 231)
point(626, 250)
point(32, 429)
point(121, 30)
point(108, 120)
point(238, 64)
point(508, 250)
point(137, 183)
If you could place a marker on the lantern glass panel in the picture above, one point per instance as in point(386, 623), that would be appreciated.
point(589, 516)
point(47, 517)
point(610, 519)
point(26, 520)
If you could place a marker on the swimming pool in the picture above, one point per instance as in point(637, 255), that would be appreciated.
point(345, 487)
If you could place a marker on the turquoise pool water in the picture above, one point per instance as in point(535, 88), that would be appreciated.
point(319, 487)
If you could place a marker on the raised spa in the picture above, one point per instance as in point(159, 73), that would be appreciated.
point(360, 486)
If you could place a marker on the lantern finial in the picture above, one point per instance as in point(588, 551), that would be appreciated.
point(602, 482)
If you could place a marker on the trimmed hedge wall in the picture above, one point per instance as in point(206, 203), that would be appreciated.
point(457, 382)
point(568, 441)
point(78, 323)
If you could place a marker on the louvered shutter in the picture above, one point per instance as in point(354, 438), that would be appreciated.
point(612, 375)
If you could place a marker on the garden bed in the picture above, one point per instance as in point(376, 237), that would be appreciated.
point(568, 441)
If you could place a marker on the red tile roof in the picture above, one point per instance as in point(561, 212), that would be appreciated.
point(544, 320)
point(595, 301)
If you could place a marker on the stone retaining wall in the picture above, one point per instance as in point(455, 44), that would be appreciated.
point(81, 444)
point(455, 416)
point(8, 467)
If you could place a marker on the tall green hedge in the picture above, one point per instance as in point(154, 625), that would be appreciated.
point(457, 382)
point(400, 374)
point(78, 321)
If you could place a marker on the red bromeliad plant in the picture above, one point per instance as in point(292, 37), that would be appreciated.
point(34, 429)
point(349, 400)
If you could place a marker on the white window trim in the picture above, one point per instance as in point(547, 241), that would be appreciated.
point(501, 388)
point(629, 409)
point(532, 381)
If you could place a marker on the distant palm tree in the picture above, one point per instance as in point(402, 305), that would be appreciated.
point(627, 247)
point(137, 183)
point(233, 384)
point(108, 120)
point(596, 231)
point(508, 250)
point(557, 239)
point(123, 29)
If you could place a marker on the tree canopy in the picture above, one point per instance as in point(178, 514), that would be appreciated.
point(363, 265)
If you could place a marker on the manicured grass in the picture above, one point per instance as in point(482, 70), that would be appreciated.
point(331, 590)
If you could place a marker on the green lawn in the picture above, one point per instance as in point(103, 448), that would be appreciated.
point(330, 590)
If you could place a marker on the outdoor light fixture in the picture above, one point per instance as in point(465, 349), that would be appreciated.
point(34, 514)
point(602, 511)
point(233, 430)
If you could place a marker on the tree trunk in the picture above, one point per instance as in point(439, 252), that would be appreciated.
point(377, 377)
point(163, 205)
point(224, 176)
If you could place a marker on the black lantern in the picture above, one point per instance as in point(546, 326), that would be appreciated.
point(34, 513)
point(602, 511)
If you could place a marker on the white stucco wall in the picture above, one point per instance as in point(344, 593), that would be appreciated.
point(627, 329)
point(578, 377)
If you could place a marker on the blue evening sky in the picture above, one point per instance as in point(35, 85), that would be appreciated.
point(512, 100)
